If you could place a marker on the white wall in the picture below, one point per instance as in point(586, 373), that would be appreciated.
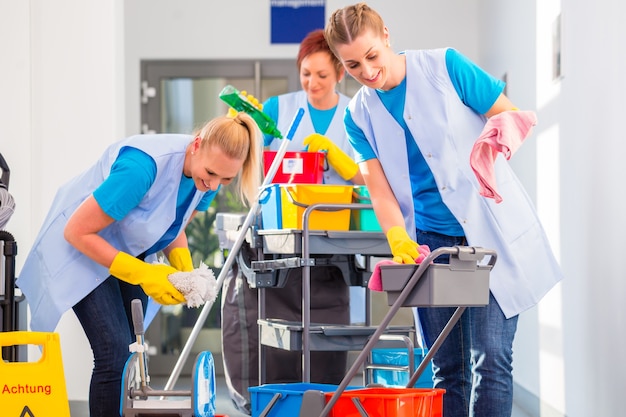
point(567, 350)
point(71, 85)
point(593, 147)
point(62, 102)
point(513, 42)
point(15, 113)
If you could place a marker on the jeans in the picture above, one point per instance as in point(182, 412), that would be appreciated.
point(105, 315)
point(474, 363)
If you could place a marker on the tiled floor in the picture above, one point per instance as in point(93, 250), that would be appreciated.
point(223, 403)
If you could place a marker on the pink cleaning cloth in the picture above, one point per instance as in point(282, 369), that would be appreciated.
point(503, 133)
point(376, 283)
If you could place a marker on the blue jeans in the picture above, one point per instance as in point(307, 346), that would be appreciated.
point(106, 318)
point(474, 363)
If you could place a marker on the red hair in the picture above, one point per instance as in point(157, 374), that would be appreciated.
point(315, 42)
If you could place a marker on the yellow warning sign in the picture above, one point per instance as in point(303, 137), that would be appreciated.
point(33, 389)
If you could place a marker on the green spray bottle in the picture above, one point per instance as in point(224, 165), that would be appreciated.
point(239, 102)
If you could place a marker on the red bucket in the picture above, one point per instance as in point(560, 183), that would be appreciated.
point(296, 167)
point(389, 402)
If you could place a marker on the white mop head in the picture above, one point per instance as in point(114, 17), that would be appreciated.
point(198, 286)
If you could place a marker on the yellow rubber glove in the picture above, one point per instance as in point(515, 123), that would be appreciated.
point(403, 248)
point(151, 277)
point(342, 163)
point(232, 112)
point(180, 258)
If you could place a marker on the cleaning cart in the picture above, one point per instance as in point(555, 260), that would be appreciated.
point(301, 248)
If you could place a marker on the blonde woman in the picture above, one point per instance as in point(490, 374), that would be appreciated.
point(95, 250)
point(413, 125)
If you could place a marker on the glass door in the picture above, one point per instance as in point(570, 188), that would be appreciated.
point(178, 96)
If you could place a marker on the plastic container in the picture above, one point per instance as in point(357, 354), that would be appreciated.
point(365, 219)
point(294, 199)
point(460, 283)
point(271, 210)
point(282, 206)
point(399, 378)
point(289, 397)
point(239, 102)
point(296, 167)
point(389, 402)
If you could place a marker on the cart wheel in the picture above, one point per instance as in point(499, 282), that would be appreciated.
point(203, 386)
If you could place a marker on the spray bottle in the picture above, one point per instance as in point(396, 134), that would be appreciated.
point(239, 102)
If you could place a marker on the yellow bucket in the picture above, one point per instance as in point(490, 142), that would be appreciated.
point(33, 388)
point(297, 197)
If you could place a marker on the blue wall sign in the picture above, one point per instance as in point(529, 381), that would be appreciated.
point(292, 20)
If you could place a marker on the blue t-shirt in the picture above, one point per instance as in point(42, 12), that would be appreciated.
point(478, 90)
point(132, 174)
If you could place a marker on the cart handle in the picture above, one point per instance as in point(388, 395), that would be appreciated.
point(292, 199)
point(465, 258)
point(269, 405)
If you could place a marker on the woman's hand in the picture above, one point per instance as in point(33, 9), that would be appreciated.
point(342, 163)
point(153, 278)
point(253, 100)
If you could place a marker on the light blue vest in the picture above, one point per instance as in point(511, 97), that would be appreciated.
point(445, 131)
point(55, 275)
point(288, 104)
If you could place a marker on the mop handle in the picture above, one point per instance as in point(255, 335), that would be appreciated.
point(282, 150)
point(137, 314)
point(206, 309)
